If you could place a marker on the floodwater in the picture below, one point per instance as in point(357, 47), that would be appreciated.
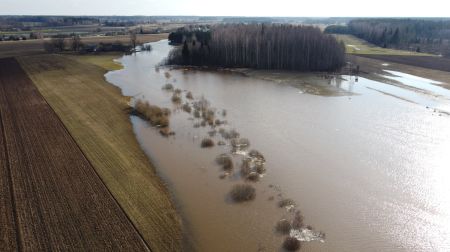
point(370, 169)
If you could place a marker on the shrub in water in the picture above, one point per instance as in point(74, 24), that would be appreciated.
point(286, 203)
point(189, 95)
point(297, 222)
point(291, 244)
point(167, 87)
point(243, 192)
point(283, 226)
point(207, 143)
point(187, 108)
point(176, 98)
point(225, 161)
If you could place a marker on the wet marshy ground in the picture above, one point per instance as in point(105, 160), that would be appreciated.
point(254, 161)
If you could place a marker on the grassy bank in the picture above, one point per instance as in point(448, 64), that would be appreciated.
point(354, 45)
point(95, 114)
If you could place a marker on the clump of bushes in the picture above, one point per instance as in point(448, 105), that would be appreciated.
point(225, 161)
point(242, 193)
point(291, 244)
point(207, 143)
point(155, 115)
point(189, 95)
point(177, 91)
point(283, 226)
point(167, 87)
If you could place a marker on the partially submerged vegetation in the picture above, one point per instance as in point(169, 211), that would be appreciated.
point(242, 193)
point(291, 244)
point(207, 143)
point(261, 46)
point(157, 116)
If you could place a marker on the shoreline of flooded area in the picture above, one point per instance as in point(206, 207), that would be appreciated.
point(368, 170)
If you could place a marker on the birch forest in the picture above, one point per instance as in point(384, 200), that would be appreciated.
point(261, 46)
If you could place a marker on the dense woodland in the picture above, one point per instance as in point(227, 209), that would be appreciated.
point(429, 35)
point(261, 46)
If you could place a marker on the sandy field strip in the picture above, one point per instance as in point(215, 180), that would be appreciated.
point(59, 201)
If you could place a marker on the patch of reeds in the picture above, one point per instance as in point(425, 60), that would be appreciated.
point(242, 193)
point(189, 95)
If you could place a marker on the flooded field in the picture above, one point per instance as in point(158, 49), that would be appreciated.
point(368, 167)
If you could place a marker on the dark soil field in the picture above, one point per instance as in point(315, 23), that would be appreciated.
point(51, 198)
point(430, 62)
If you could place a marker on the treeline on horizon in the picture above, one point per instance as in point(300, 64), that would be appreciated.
point(430, 35)
point(259, 46)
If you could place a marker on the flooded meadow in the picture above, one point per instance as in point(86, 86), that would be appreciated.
point(337, 163)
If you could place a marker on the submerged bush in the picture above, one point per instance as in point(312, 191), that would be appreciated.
point(291, 244)
point(187, 108)
point(286, 203)
point(297, 222)
point(166, 132)
point(155, 115)
point(176, 98)
point(167, 87)
point(207, 143)
point(243, 192)
point(189, 95)
point(225, 161)
point(283, 226)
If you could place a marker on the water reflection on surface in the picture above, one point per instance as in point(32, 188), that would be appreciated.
point(370, 170)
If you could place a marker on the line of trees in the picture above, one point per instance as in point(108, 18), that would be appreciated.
point(431, 35)
point(262, 46)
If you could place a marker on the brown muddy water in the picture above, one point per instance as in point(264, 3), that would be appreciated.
point(370, 169)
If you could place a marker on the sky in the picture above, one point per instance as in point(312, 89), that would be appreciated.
point(291, 8)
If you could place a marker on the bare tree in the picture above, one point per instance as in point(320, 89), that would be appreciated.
point(76, 43)
point(133, 40)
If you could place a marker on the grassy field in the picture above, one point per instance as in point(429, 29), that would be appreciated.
point(95, 113)
point(36, 46)
point(354, 45)
point(58, 200)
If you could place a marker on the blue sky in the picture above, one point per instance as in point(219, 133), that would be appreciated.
point(316, 8)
